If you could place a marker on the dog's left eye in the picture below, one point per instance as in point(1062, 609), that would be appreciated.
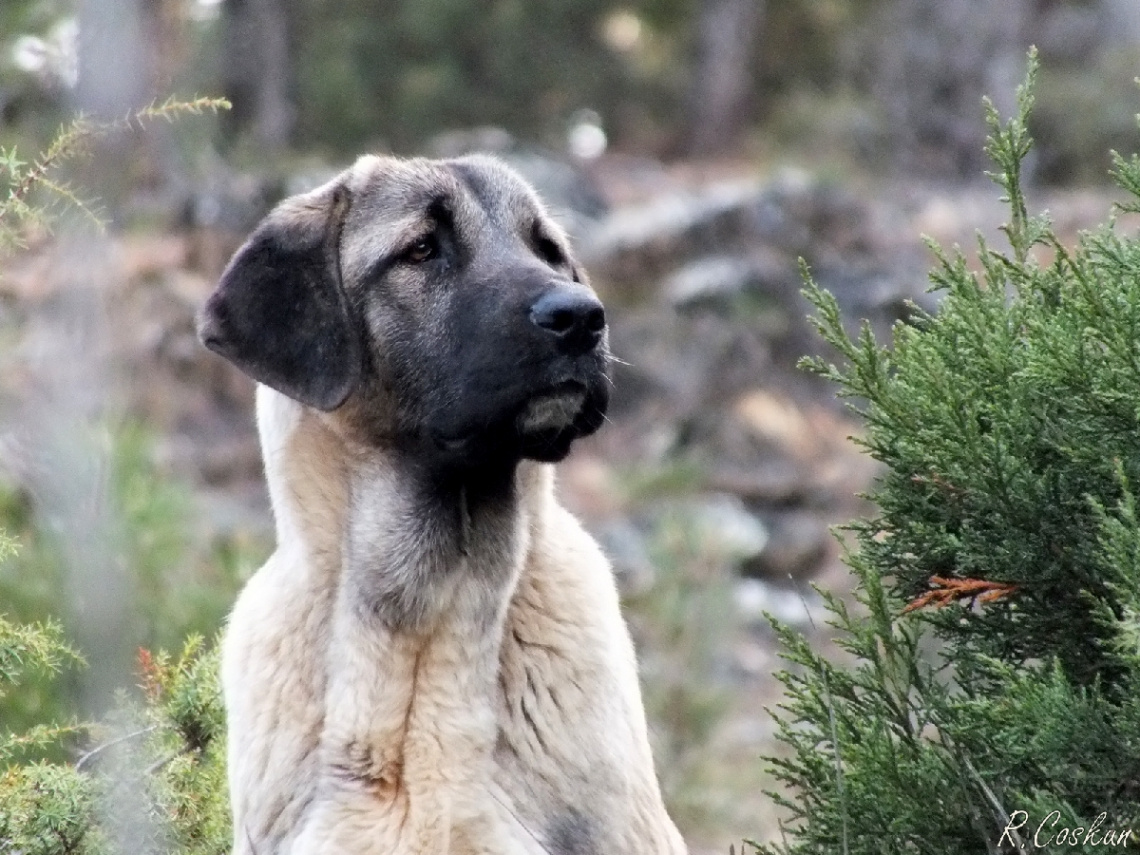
point(425, 249)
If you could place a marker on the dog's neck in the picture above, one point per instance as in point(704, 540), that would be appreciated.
point(407, 542)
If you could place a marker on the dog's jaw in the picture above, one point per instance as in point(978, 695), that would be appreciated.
point(556, 411)
point(540, 427)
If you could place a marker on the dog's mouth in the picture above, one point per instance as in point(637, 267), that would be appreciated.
point(552, 419)
point(552, 410)
point(542, 427)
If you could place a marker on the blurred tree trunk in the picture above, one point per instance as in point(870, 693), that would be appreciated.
point(130, 52)
point(114, 73)
point(1124, 21)
point(258, 71)
point(727, 33)
point(938, 58)
point(116, 78)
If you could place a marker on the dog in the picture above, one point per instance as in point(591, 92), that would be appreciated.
point(433, 660)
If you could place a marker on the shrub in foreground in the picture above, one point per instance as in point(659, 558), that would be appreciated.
point(150, 780)
point(992, 700)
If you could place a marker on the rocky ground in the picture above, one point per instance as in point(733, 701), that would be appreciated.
point(722, 468)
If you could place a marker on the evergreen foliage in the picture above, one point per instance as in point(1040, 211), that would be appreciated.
point(994, 674)
point(154, 780)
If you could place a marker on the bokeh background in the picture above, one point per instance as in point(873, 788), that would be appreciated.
point(696, 150)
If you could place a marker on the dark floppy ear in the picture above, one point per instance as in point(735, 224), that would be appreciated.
point(280, 313)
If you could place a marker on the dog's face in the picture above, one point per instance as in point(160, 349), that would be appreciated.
point(432, 304)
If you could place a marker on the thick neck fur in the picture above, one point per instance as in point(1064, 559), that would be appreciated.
point(423, 568)
point(408, 545)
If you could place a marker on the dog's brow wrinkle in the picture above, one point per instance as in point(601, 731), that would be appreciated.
point(375, 271)
point(475, 182)
point(441, 211)
point(495, 193)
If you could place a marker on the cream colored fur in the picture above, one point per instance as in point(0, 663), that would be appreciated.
point(509, 722)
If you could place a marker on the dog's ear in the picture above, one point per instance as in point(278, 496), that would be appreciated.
point(280, 312)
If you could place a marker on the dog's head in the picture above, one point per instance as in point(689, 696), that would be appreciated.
point(432, 304)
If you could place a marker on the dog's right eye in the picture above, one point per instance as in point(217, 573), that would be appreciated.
point(425, 249)
point(547, 249)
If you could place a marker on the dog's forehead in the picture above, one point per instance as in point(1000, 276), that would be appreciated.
point(393, 199)
point(497, 188)
point(395, 189)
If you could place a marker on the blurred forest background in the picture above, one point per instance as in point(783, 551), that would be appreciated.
point(695, 149)
point(890, 84)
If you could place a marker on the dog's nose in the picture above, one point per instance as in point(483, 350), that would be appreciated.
point(573, 314)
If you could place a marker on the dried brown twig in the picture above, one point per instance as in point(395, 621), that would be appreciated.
point(945, 591)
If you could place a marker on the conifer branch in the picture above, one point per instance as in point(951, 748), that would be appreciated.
point(73, 142)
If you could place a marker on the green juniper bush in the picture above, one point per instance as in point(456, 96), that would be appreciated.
point(991, 703)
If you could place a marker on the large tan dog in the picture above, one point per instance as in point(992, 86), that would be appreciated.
point(433, 661)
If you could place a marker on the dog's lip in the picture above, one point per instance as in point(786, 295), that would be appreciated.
point(451, 443)
point(567, 387)
point(569, 390)
point(450, 440)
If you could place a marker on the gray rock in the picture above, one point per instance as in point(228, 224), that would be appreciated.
point(798, 547)
point(724, 521)
point(640, 243)
point(799, 607)
point(723, 282)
